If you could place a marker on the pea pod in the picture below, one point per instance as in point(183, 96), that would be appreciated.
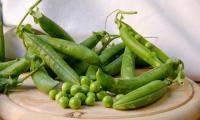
point(113, 68)
point(16, 68)
point(7, 83)
point(110, 52)
point(135, 46)
point(3, 65)
point(128, 64)
point(120, 85)
point(51, 58)
point(50, 26)
point(72, 49)
point(142, 96)
point(2, 45)
point(92, 41)
point(41, 79)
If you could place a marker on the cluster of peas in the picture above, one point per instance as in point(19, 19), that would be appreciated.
point(87, 93)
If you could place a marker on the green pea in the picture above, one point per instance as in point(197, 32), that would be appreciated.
point(119, 96)
point(66, 86)
point(100, 95)
point(95, 86)
point(107, 101)
point(59, 95)
point(52, 94)
point(90, 101)
point(64, 102)
point(91, 94)
point(81, 96)
point(75, 89)
point(85, 88)
point(85, 80)
point(75, 103)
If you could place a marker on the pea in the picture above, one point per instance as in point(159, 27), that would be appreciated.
point(91, 94)
point(90, 101)
point(59, 95)
point(85, 89)
point(75, 103)
point(75, 89)
point(66, 87)
point(52, 94)
point(119, 96)
point(107, 101)
point(100, 95)
point(85, 80)
point(64, 102)
point(95, 86)
point(81, 96)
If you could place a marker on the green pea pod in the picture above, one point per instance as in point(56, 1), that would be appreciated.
point(81, 66)
point(128, 64)
point(136, 47)
point(110, 52)
point(41, 79)
point(51, 58)
point(91, 72)
point(50, 27)
point(113, 68)
point(126, 85)
point(72, 49)
point(7, 83)
point(92, 41)
point(2, 45)
point(16, 68)
point(142, 96)
point(3, 65)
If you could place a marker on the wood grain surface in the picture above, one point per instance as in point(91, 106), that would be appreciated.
point(27, 103)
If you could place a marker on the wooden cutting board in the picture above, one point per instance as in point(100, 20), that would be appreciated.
point(27, 103)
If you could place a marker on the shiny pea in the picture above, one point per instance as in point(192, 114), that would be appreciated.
point(66, 86)
point(85, 80)
point(100, 95)
point(75, 103)
point(81, 96)
point(64, 102)
point(75, 89)
point(85, 89)
point(52, 94)
point(107, 101)
point(95, 86)
point(90, 101)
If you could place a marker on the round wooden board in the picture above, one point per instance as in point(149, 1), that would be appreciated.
point(27, 103)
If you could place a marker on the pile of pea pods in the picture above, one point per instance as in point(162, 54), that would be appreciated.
point(79, 74)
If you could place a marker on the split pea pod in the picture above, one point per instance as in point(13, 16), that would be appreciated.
point(135, 46)
point(142, 96)
point(50, 26)
point(128, 64)
point(72, 49)
point(41, 79)
point(126, 85)
point(113, 68)
point(110, 52)
point(3, 65)
point(51, 58)
point(16, 68)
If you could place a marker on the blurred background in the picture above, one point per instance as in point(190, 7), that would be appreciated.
point(175, 23)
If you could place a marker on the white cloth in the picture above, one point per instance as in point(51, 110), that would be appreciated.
point(174, 22)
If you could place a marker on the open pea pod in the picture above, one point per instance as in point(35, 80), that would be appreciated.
point(51, 58)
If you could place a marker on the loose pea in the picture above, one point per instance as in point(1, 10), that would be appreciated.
point(90, 101)
point(85, 80)
point(95, 86)
point(119, 96)
point(91, 94)
point(59, 95)
point(66, 86)
point(75, 89)
point(85, 88)
point(75, 103)
point(52, 94)
point(64, 102)
point(100, 95)
point(81, 96)
point(107, 101)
